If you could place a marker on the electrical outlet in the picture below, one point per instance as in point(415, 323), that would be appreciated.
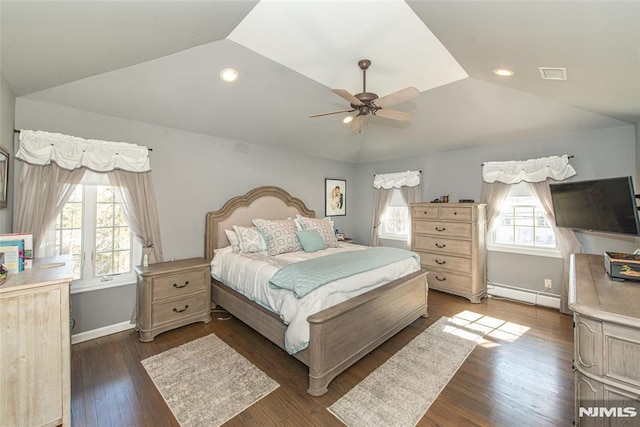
point(547, 283)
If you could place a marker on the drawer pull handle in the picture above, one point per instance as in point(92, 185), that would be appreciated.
point(455, 213)
point(441, 229)
point(181, 310)
point(441, 245)
point(425, 212)
point(440, 279)
point(440, 262)
point(175, 285)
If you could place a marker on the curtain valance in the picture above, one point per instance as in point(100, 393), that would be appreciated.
point(396, 180)
point(532, 170)
point(71, 152)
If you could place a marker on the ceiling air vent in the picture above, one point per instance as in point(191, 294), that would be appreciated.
point(553, 73)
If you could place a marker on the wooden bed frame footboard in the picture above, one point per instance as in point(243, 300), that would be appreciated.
point(340, 335)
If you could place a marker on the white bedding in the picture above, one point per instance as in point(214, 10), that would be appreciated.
point(249, 274)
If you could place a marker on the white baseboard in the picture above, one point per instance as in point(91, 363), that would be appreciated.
point(525, 295)
point(101, 332)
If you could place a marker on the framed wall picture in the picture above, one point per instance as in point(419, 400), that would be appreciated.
point(335, 197)
point(4, 177)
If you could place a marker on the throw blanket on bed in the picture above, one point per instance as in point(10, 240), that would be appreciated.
point(305, 276)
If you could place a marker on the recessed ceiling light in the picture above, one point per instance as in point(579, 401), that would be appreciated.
point(347, 119)
point(502, 72)
point(229, 74)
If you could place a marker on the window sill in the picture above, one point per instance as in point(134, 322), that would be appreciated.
point(78, 287)
point(548, 253)
point(394, 237)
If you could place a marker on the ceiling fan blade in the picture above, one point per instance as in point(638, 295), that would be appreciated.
point(332, 112)
point(346, 95)
point(397, 97)
point(356, 123)
point(403, 116)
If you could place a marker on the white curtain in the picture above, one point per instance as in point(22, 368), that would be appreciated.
point(409, 184)
point(566, 239)
point(55, 164)
point(497, 176)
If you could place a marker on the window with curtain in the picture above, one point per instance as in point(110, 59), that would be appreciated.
point(521, 224)
point(396, 221)
point(92, 228)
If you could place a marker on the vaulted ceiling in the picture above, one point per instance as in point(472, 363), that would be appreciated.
point(159, 62)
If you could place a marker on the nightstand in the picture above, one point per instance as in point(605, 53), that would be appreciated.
point(172, 294)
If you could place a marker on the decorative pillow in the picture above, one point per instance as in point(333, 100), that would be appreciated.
point(233, 240)
point(324, 226)
point(311, 240)
point(280, 235)
point(250, 240)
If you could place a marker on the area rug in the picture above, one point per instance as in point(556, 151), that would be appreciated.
point(205, 382)
point(401, 390)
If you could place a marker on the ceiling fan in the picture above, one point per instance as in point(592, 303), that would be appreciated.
point(366, 103)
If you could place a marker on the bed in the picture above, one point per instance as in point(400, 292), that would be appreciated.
point(338, 336)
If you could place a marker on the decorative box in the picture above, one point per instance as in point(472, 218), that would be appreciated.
point(621, 266)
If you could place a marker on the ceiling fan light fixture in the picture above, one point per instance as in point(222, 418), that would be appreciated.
point(503, 72)
point(347, 119)
point(229, 74)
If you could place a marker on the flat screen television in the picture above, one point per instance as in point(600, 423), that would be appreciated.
point(604, 205)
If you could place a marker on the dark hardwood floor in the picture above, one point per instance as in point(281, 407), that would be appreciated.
point(522, 378)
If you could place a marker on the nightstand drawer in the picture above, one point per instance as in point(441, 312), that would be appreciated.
point(170, 311)
point(174, 285)
point(438, 245)
point(444, 229)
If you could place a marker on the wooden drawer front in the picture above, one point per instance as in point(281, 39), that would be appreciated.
point(436, 245)
point(170, 311)
point(444, 262)
point(175, 285)
point(588, 344)
point(443, 229)
point(456, 213)
point(443, 280)
point(430, 212)
point(621, 350)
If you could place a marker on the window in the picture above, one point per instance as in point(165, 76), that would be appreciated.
point(395, 220)
point(93, 229)
point(521, 222)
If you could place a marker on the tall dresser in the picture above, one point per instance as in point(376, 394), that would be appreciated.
point(606, 344)
point(35, 348)
point(450, 239)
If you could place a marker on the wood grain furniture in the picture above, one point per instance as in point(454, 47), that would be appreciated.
point(35, 346)
point(339, 335)
point(606, 341)
point(450, 239)
point(172, 294)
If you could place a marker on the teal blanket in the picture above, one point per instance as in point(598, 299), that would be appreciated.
point(305, 276)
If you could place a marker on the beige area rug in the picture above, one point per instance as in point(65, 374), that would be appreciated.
point(401, 390)
point(205, 382)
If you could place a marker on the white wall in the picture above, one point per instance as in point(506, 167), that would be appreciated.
point(599, 154)
point(7, 116)
point(192, 174)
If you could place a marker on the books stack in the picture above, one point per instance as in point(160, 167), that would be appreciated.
point(18, 251)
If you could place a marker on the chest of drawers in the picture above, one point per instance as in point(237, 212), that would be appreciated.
point(450, 239)
point(172, 294)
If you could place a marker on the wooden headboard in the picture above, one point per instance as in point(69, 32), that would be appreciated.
point(267, 202)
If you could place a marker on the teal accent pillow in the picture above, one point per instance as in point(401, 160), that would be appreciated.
point(311, 240)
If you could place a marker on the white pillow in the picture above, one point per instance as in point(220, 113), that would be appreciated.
point(280, 235)
point(324, 226)
point(250, 240)
point(233, 240)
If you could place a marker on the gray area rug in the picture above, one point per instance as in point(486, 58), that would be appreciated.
point(205, 382)
point(401, 390)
